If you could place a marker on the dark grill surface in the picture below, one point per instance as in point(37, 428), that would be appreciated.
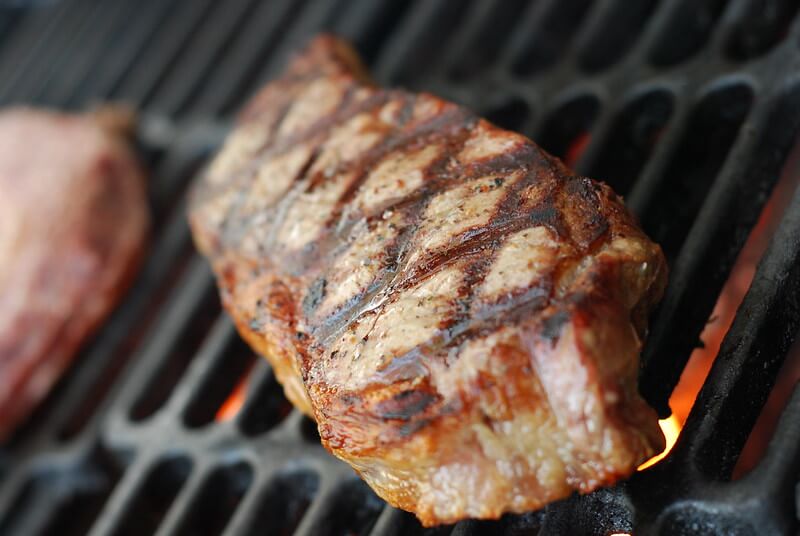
point(689, 108)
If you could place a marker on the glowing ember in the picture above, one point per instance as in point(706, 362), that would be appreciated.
point(671, 427)
point(576, 148)
point(230, 408)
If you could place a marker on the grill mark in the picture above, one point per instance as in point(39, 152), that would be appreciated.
point(552, 325)
point(337, 232)
point(438, 168)
point(435, 127)
point(239, 176)
point(485, 242)
point(548, 213)
point(514, 308)
point(247, 175)
point(470, 243)
point(276, 297)
point(315, 295)
point(477, 270)
point(319, 130)
point(387, 144)
point(360, 299)
point(405, 405)
point(507, 219)
point(236, 183)
point(441, 184)
point(248, 171)
point(374, 102)
point(287, 201)
point(434, 185)
point(510, 310)
point(254, 113)
point(583, 188)
point(343, 113)
point(327, 329)
point(345, 110)
point(407, 112)
point(410, 428)
point(474, 274)
point(234, 228)
point(523, 156)
point(506, 313)
point(298, 263)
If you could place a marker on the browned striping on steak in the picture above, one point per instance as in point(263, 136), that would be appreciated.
point(460, 313)
point(73, 222)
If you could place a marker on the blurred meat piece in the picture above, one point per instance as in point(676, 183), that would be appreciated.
point(73, 221)
point(460, 313)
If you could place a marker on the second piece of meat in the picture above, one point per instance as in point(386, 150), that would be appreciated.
point(73, 222)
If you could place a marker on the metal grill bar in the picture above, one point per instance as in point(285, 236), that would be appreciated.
point(314, 17)
point(115, 62)
point(145, 76)
point(98, 29)
point(78, 23)
point(255, 43)
point(397, 49)
point(730, 210)
point(26, 43)
point(207, 45)
point(76, 67)
point(750, 357)
point(10, 19)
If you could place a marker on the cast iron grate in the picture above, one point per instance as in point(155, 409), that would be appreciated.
point(688, 107)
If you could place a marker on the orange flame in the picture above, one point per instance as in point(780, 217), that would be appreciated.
point(699, 364)
point(576, 149)
point(230, 408)
point(671, 427)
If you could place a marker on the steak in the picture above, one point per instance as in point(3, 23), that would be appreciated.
point(73, 221)
point(460, 313)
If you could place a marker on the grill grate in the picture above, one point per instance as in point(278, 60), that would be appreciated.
point(688, 107)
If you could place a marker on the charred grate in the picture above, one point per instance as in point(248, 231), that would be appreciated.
point(688, 107)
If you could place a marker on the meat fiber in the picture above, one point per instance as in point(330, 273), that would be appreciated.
point(460, 313)
point(73, 221)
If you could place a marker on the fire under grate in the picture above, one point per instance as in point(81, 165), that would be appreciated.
point(168, 424)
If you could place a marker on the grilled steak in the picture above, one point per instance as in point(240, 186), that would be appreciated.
point(73, 218)
point(460, 314)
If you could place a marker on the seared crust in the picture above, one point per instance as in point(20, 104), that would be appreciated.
point(459, 312)
point(73, 223)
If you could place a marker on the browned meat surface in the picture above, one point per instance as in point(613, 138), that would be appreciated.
point(73, 219)
point(460, 313)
